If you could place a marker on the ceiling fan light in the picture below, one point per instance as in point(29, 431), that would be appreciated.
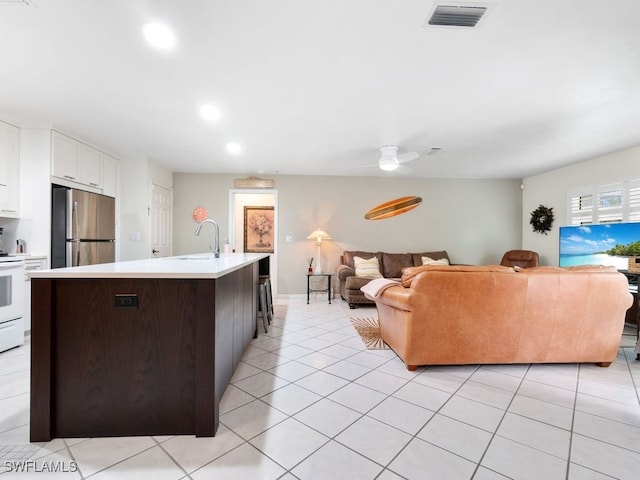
point(388, 164)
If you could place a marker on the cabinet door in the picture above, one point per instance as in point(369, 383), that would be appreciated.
point(109, 176)
point(90, 166)
point(9, 170)
point(66, 152)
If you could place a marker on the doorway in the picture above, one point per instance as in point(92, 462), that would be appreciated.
point(240, 198)
point(160, 213)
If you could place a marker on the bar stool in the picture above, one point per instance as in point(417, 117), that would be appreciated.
point(262, 306)
point(267, 285)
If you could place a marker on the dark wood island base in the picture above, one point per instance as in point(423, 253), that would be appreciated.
point(136, 356)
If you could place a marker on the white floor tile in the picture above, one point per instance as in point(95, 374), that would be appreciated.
point(610, 431)
point(322, 383)
point(601, 407)
point(291, 399)
point(605, 458)
point(541, 436)
point(422, 460)
point(328, 417)
point(445, 432)
point(289, 442)
point(357, 397)
point(292, 371)
point(233, 398)
point(261, 384)
point(474, 413)
point(153, 463)
point(421, 395)
point(520, 461)
point(96, 454)
point(193, 452)
point(252, 419)
point(402, 415)
point(381, 382)
point(335, 461)
point(495, 397)
point(440, 380)
point(347, 370)
point(546, 412)
point(374, 439)
point(242, 463)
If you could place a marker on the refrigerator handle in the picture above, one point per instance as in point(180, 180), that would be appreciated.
point(74, 219)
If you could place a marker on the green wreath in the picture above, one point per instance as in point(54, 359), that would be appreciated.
point(542, 219)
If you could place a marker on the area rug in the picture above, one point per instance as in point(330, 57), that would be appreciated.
point(369, 331)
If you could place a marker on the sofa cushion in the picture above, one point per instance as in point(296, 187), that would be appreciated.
point(393, 263)
point(431, 261)
point(417, 257)
point(347, 256)
point(367, 267)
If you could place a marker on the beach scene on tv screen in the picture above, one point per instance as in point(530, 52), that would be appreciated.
point(602, 244)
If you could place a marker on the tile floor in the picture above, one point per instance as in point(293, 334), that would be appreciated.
point(309, 402)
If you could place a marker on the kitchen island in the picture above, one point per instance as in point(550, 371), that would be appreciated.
point(144, 347)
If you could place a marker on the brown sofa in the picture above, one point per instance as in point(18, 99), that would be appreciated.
point(497, 314)
point(391, 265)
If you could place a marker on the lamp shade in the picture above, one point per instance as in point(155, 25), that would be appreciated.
point(319, 235)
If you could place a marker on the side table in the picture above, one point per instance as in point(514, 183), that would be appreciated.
point(328, 289)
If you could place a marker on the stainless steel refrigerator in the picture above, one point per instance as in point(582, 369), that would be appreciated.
point(82, 228)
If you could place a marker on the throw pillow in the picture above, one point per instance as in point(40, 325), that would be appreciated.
point(431, 261)
point(367, 268)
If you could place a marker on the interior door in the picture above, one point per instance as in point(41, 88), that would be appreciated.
point(161, 199)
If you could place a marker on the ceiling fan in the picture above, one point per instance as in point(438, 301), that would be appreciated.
point(391, 161)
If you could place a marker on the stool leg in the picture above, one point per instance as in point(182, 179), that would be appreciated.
point(267, 286)
point(262, 300)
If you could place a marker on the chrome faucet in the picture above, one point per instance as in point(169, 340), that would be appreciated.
point(216, 238)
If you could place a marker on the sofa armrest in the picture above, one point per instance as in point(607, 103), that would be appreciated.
point(396, 296)
point(344, 271)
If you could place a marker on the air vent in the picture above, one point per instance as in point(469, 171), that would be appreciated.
point(456, 16)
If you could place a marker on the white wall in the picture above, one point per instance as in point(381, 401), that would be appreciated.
point(551, 189)
point(476, 221)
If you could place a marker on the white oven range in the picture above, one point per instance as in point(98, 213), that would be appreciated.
point(12, 286)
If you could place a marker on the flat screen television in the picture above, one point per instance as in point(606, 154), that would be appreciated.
point(602, 244)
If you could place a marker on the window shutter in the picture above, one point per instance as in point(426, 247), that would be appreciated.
point(605, 204)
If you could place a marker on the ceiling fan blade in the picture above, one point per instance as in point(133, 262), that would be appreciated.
point(407, 157)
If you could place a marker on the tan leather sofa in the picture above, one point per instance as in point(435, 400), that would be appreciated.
point(497, 314)
point(391, 265)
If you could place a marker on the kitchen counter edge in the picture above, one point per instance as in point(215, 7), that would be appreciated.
point(194, 266)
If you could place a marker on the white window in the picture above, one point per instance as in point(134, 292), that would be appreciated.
point(615, 203)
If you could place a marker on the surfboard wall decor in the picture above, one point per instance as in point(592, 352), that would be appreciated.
point(393, 208)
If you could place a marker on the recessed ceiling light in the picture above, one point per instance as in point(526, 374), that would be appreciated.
point(234, 148)
point(159, 35)
point(210, 112)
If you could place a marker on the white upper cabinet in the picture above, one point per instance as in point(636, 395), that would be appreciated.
point(9, 170)
point(74, 161)
point(109, 175)
point(90, 166)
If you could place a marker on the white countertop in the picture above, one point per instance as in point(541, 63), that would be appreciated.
point(202, 265)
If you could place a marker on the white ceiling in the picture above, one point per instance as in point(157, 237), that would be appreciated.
point(315, 87)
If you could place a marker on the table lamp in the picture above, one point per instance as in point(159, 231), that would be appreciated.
point(318, 235)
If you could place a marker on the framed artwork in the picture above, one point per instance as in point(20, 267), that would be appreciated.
point(258, 229)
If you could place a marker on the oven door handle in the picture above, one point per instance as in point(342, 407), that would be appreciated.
point(10, 265)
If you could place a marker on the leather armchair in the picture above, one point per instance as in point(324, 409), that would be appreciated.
point(520, 258)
